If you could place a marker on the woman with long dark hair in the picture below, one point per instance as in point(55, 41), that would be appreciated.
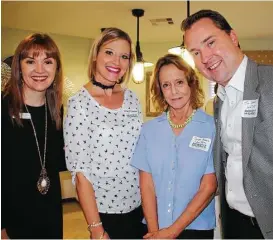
point(32, 142)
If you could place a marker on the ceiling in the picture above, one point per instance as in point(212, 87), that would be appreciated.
point(250, 19)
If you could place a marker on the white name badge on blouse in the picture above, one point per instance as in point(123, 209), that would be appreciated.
point(250, 108)
point(131, 113)
point(25, 115)
point(200, 143)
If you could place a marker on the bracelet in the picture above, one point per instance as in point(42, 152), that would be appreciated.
point(93, 225)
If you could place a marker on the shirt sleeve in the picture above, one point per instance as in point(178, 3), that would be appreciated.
point(76, 139)
point(140, 156)
point(210, 164)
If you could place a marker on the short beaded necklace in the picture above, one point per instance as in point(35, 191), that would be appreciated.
point(173, 125)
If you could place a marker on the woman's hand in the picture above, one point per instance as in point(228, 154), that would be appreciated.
point(164, 233)
point(99, 233)
point(4, 234)
point(105, 236)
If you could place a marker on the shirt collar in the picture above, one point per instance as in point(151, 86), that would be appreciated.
point(237, 81)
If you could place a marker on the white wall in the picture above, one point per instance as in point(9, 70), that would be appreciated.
point(256, 44)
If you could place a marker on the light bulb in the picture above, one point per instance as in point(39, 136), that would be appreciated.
point(138, 72)
point(148, 64)
point(187, 57)
point(175, 50)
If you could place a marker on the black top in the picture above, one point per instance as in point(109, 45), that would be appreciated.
point(26, 213)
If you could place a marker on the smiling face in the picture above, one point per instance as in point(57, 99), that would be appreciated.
point(38, 72)
point(215, 53)
point(112, 61)
point(175, 87)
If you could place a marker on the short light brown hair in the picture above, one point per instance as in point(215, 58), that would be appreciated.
point(197, 94)
point(109, 35)
point(35, 43)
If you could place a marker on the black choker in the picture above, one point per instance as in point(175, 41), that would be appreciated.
point(98, 84)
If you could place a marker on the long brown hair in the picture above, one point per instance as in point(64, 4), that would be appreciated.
point(197, 94)
point(108, 35)
point(35, 43)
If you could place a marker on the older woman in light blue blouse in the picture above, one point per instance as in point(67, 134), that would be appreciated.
point(174, 156)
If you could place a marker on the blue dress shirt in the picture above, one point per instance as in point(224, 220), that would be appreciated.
point(177, 166)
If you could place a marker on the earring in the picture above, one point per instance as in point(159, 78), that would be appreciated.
point(54, 84)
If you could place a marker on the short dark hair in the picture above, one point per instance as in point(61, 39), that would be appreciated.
point(219, 20)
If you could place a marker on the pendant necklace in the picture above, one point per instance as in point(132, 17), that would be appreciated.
point(43, 182)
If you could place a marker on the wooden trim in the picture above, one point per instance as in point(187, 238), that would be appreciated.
point(149, 112)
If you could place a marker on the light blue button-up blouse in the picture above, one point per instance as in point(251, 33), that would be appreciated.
point(177, 165)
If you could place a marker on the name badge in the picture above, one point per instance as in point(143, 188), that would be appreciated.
point(25, 115)
point(200, 143)
point(250, 108)
point(131, 112)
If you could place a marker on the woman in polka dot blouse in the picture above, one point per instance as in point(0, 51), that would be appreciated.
point(101, 129)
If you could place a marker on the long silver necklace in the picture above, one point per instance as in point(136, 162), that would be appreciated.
point(43, 183)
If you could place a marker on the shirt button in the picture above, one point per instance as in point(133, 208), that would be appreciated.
point(169, 210)
point(169, 204)
point(169, 189)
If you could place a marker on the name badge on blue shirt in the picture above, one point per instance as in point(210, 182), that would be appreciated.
point(200, 143)
point(131, 112)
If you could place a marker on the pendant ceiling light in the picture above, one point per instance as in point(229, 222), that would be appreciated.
point(181, 50)
point(138, 70)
